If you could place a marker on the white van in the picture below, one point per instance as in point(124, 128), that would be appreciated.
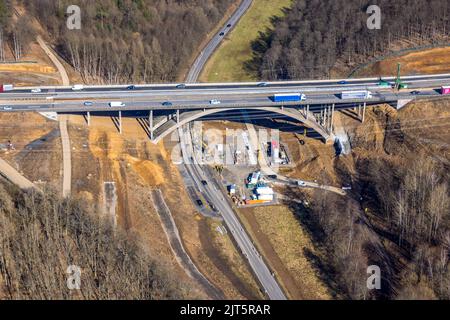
point(77, 87)
point(116, 104)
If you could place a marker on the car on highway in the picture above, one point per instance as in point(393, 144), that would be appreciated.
point(262, 84)
point(343, 82)
point(116, 104)
point(77, 87)
point(181, 86)
point(229, 25)
point(222, 34)
point(204, 182)
point(301, 183)
point(215, 102)
point(88, 104)
point(132, 87)
point(199, 203)
point(415, 92)
point(7, 108)
point(167, 104)
point(37, 90)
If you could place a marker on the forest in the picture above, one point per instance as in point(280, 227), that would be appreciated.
point(41, 235)
point(127, 41)
point(403, 227)
point(316, 34)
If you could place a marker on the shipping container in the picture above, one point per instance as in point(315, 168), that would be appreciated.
point(264, 191)
point(254, 202)
point(265, 197)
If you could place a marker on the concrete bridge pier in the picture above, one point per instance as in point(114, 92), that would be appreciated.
point(150, 124)
point(307, 111)
point(88, 118)
point(332, 119)
point(361, 111)
point(363, 116)
point(120, 122)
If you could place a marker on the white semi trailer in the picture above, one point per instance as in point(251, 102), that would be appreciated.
point(363, 94)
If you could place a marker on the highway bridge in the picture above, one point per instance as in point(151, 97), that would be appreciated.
point(169, 106)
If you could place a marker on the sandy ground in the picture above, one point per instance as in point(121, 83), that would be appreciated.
point(431, 61)
point(136, 166)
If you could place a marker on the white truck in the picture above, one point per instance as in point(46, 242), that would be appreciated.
point(115, 104)
point(363, 94)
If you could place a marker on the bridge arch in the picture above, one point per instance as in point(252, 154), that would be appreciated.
point(189, 116)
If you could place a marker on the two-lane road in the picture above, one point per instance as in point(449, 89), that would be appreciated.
point(212, 45)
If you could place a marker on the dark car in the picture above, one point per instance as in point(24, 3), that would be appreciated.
point(262, 84)
point(343, 82)
point(204, 182)
point(181, 86)
point(415, 92)
point(222, 34)
point(199, 203)
point(132, 87)
point(167, 104)
point(229, 25)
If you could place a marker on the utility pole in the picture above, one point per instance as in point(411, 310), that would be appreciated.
point(398, 81)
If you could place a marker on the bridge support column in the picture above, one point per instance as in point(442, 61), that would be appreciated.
point(150, 124)
point(88, 118)
point(307, 111)
point(120, 122)
point(332, 118)
point(178, 116)
point(363, 116)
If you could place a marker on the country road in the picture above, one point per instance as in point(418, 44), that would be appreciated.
point(207, 52)
point(177, 247)
point(65, 138)
point(15, 177)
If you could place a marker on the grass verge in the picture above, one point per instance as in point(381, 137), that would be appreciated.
point(227, 63)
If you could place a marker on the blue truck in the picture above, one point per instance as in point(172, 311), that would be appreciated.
point(288, 97)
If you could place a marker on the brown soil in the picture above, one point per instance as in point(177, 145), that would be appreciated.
point(431, 61)
point(37, 153)
point(136, 165)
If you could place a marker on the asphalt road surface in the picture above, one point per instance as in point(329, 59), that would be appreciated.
point(212, 190)
point(204, 56)
point(247, 98)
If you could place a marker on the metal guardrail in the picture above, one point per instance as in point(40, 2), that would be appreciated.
point(17, 62)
